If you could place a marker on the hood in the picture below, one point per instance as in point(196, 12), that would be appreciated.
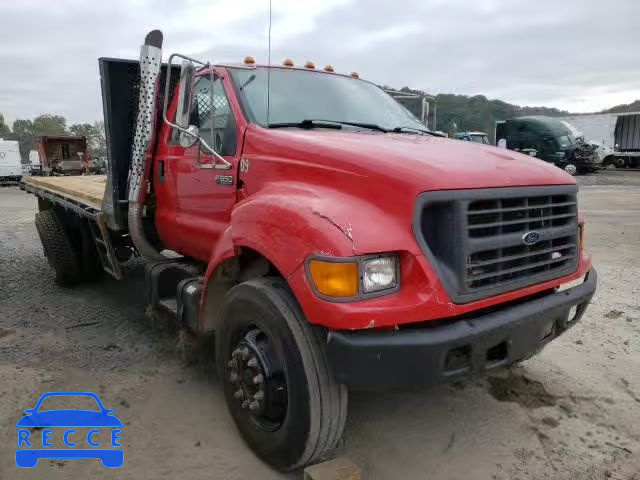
point(424, 161)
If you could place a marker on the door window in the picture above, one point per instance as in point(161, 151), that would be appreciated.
point(212, 115)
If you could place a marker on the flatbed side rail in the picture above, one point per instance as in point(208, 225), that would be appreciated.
point(97, 224)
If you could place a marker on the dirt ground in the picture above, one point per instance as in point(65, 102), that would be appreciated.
point(572, 412)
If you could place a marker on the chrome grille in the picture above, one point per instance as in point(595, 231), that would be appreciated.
point(483, 251)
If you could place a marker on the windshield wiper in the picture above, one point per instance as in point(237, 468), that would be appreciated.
point(249, 80)
point(307, 124)
point(370, 126)
point(320, 123)
point(414, 129)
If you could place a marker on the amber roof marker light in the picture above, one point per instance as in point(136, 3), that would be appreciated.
point(249, 60)
point(287, 62)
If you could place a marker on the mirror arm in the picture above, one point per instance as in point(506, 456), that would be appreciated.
point(223, 165)
point(167, 85)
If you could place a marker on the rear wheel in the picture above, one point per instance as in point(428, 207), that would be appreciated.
point(57, 247)
point(620, 162)
point(276, 376)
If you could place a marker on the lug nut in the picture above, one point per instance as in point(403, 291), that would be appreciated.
point(238, 394)
point(231, 363)
point(233, 377)
point(258, 379)
point(254, 406)
point(235, 353)
point(253, 362)
point(245, 404)
point(244, 353)
point(259, 396)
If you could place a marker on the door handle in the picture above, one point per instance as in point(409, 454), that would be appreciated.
point(161, 171)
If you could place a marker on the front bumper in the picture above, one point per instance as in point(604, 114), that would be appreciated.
point(429, 355)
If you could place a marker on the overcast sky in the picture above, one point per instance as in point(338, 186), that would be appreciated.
point(578, 55)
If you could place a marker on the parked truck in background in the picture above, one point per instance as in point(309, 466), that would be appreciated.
point(10, 163)
point(617, 136)
point(35, 167)
point(476, 137)
point(328, 241)
point(550, 140)
point(63, 155)
point(627, 140)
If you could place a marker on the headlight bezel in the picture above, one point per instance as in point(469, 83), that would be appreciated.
point(360, 260)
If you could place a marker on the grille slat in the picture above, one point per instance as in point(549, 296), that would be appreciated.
point(506, 240)
point(527, 266)
point(514, 209)
point(486, 247)
point(526, 221)
point(508, 258)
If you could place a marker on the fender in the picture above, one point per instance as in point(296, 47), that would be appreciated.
point(286, 223)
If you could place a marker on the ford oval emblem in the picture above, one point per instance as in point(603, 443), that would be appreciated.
point(531, 238)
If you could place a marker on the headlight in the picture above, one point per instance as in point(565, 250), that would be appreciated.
point(379, 274)
point(353, 278)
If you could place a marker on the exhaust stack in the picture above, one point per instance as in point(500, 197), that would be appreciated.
point(150, 63)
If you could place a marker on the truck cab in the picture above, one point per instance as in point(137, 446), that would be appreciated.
point(476, 137)
point(550, 140)
point(325, 237)
point(10, 162)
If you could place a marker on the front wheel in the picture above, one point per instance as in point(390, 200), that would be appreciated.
point(276, 376)
point(571, 168)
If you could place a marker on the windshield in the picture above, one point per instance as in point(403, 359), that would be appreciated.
point(297, 95)
point(566, 141)
point(480, 139)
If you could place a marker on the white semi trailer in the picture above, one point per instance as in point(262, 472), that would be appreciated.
point(617, 134)
point(10, 163)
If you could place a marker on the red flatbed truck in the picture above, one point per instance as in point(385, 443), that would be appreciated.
point(327, 238)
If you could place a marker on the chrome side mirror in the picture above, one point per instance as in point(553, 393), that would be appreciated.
point(185, 87)
point(189, 137)
point(188, 133)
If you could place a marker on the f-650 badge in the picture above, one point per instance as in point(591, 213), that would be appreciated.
point(224, 179)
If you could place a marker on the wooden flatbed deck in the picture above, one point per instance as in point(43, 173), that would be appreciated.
point(86, 189)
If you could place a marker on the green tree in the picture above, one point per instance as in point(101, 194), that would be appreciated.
point(101, 140)
point(4, 128)
point(94, 133)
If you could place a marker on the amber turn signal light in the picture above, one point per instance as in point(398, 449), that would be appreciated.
point(580, 235)
point(334, 279)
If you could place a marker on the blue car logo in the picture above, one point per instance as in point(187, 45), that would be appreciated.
point(32, 446)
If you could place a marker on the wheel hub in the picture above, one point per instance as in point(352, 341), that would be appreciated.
point(258, 380)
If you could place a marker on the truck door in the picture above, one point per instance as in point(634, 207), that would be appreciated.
point(194, 200)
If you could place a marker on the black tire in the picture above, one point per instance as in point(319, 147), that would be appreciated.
point(621, 162)
point(58, 248)
point(316, 408)
point(571, 168)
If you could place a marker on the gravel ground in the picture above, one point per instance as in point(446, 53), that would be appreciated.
point(572, 412)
